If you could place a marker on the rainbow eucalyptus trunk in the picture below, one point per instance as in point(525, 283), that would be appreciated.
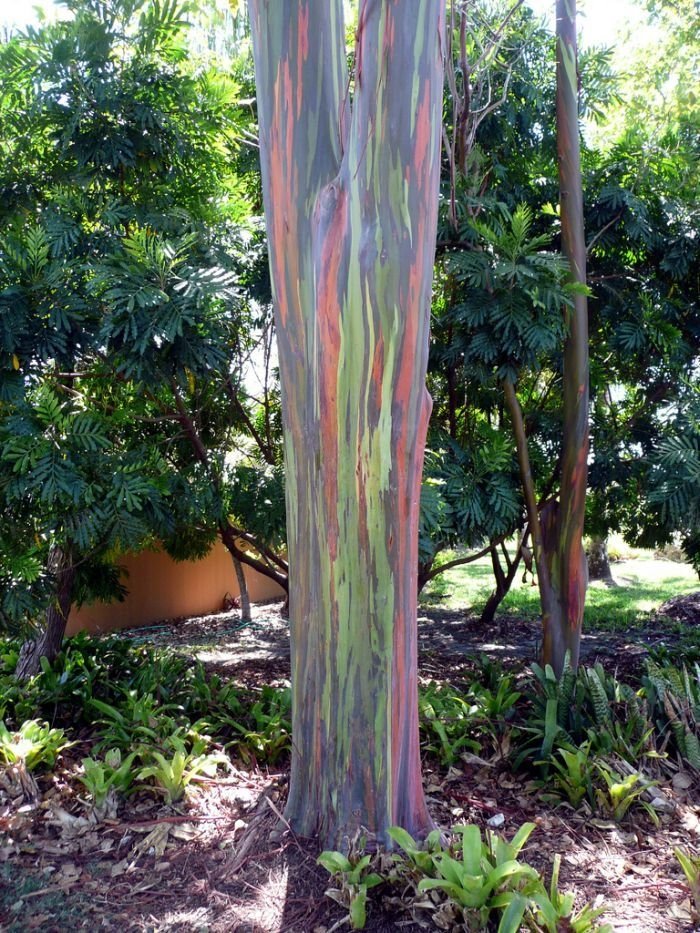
point(351, 208)
point(563, 540)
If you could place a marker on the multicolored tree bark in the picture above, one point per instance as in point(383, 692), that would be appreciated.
point(351, 187)
point(564, 544)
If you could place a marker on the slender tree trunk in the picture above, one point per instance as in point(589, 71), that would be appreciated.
point(272, 569)
point(48, 642)
point(351, 208)
point(557, 532)
point(568, 563)
point(504, 582)
point(242, 590)
point(540, 524)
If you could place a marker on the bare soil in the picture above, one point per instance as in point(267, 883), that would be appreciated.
point(214, 863)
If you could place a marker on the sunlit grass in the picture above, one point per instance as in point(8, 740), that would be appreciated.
point(643, 584)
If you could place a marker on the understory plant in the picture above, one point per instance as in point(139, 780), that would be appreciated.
point(266, 733)
point(674, 698)
point(34, 743)
point(588, 706)
point(479, 876)
point(478, 881)
point(453, 722)
point(572, 774)
point(176, 766)
point(553, 912)
point(585, 731)
point(620, 792)
point(354, 877)
point(104, 779)
point(691, 869)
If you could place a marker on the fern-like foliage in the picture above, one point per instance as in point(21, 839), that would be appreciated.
point(674, 697)
point(122, 253)
point(674, 477)
point(514, 289)
point(468, 495)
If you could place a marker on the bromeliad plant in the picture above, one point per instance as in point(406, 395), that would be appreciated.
point(482, 881)
point(34, 743)
point(619, 793)
point(591, 707)
point(447, 723)
point(486, 876)
point(103, 780)
point(266, 736)
point(572, 774)
point(355, 877)
point(674, 696)
point(174, 768)
point(137, 720)
point(553, 911)
point(691, 869)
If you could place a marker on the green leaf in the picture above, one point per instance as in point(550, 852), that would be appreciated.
point(358, 909)
point(512, 917)
point(334, 862)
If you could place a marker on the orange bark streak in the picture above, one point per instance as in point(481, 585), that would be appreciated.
point(424, 135)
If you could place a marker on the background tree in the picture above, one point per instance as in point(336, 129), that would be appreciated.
point(502, 319)
point(126, 274)
point(640, 213)
point(561, 565)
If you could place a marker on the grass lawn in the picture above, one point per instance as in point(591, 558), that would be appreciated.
point(644, 583)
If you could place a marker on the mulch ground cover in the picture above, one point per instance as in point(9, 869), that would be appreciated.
point(219, 861)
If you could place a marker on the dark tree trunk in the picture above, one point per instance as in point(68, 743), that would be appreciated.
point(499, 593)
point(48, 642)
point(272, 570)
point(244, 595)
point(424, 575)
point(599, 561)
point(504, 581)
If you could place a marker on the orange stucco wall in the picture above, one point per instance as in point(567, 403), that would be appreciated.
point(160, 588)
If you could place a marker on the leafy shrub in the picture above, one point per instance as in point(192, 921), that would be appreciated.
point(452, 722)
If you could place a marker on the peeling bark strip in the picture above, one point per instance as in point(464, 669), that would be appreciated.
point(351, 208)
